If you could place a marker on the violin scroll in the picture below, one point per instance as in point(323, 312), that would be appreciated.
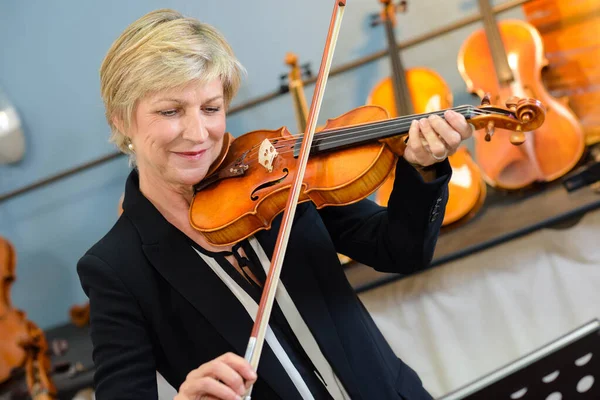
point(519, 116)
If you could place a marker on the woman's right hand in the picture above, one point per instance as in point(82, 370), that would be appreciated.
point(227, 377)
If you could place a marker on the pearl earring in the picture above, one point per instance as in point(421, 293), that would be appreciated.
point(130, 146)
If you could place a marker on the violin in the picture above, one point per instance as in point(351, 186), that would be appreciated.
point(570, 31)
point(505, 59)
point(418, 90)
point(23, 346)
point(248, 184)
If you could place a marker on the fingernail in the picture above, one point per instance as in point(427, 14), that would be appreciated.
point(450, 114)
point(423, 122)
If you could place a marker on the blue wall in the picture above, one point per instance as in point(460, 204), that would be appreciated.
point(49, 60)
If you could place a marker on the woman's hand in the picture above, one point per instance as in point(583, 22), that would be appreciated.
point(227, 377)
point(433, 139)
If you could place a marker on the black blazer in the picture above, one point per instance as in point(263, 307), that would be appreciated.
point(156, 306)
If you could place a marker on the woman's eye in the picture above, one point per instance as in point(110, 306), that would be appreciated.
point(211, 109)
point(168, 113)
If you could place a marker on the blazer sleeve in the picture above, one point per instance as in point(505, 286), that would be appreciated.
point(402, 237)
point(123, 357)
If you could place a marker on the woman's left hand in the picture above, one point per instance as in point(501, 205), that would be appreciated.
point(433, 139)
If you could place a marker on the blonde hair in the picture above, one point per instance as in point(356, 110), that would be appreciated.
point(162, 50)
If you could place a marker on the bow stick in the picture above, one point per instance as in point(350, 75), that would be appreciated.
point(257, 336)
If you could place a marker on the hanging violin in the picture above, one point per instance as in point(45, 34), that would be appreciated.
point(570, 31)
point(505, 59)
point(418, 90)
point(23, 346)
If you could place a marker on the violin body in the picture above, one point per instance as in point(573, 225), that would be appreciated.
point(13, 324)
point(571, 34)
point(429, 92)
point(557, 145)
point(23, 346)
point(330, 179)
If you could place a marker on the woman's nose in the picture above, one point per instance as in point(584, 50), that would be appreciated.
point(195, 129)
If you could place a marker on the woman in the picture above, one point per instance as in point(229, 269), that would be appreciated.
point(163, 299)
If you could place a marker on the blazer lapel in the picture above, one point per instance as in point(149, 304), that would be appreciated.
point(173, 257)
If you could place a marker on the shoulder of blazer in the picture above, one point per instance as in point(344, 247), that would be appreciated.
point(121, 249)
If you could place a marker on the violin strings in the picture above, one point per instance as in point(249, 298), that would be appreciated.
point(364, 135)
point(333, 136)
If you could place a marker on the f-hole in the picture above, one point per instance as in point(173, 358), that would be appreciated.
point(268, 184)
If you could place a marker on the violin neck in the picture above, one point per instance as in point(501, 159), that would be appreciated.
point(300, 106)
point(340, 138)
point(400, 86)
point(501, 65)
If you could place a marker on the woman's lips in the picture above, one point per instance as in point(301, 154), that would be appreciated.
point(191, 155)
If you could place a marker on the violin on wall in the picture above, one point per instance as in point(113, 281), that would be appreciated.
point(570, 31)
point(418, 90)
point(505, 59)
point(23, 346)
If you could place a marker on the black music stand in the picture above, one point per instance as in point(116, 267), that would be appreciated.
point(566, 369)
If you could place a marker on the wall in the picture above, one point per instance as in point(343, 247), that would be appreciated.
point(51, 54)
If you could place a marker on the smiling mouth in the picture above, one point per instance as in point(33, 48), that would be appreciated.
point(191, 154)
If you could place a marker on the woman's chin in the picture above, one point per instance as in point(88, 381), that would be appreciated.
point(191, 177)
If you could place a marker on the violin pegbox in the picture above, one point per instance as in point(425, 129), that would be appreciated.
point(266, 154)
point(519, 116)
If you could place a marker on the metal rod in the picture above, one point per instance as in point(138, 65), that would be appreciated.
point(272, 95)
point(59, 176)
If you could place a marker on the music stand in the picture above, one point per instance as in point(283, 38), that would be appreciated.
point(567, 368)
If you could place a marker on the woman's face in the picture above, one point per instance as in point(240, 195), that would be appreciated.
point(177, 134)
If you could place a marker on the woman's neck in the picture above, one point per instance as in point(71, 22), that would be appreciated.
point(173, 202)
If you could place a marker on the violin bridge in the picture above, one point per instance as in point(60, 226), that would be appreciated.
point(266, 155)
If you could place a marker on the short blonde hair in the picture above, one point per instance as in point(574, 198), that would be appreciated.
point(162, 50)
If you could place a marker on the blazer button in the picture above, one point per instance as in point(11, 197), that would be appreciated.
point(434, 216)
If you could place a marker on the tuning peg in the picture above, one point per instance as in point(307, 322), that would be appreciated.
point(512, 102)
point(375, 20)
point(489, 131)
point(485, 101)
point(307, 70)
point(402, 6)
point(517, 138)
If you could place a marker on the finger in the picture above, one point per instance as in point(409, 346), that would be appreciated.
point(459, 123)
point(417, 151)
point(224, 373)
point(206, 387)
point(436, 147)
point(446, 133)
point(240, 365)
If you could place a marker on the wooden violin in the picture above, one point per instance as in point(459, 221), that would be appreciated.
point(570, 32)
point(505, 59)
point(349, 159)
point(420, 90)
point(23, 346)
